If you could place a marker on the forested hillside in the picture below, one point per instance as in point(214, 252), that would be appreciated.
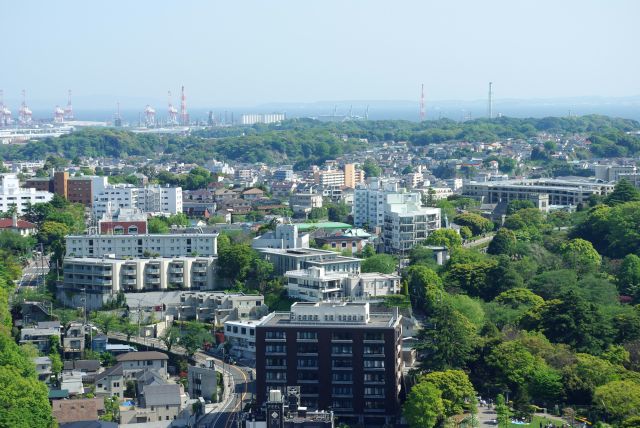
point(307, 141)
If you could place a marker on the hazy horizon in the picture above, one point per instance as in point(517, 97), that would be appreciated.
point(251, 53)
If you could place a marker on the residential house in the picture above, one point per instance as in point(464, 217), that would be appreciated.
point(111, 382)
point(134, 362)
point(85, 409)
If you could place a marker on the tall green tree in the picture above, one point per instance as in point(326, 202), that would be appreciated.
point(383, 263)
point(504, 242)
point(448, 340)
point(579, 254)
point(424, 406)
point(457, 391)
point(618, 400)
point(444, 237)
point(623, 192)
point(629, 276)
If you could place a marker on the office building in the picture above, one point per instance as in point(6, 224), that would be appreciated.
point(161, 245)
point(314, 284)
point(612, 173)
point(14, 196)
point(561, 191)
point(407, 223)
point(342, 356)
point(241, 335)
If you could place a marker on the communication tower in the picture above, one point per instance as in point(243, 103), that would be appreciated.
point(184, 116)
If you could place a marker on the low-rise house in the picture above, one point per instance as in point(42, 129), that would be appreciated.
point(72, 381)
point(74, 341)
point(253, 194)
point(135, 362)
point(41, 338)
point(157, 400)
point(111, 382)
point(87, 367)
point(85, 409)
point(43, 367)
point(21, 227)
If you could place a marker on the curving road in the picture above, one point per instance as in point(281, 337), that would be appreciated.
point(239, 383)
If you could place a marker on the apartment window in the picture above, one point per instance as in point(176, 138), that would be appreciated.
point(308, 335)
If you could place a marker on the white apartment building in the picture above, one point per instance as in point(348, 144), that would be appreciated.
point(285, 236)
point(98, 280)
point(305, 202)
point(370, 199)
point(149, 199)
point(241, 334)
point(163, 245)
point(253, 118)
point(12, 195)
point(407, 223)
point(329, 178)
point(315, 284)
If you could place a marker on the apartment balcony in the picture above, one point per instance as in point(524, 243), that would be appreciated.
point(268, 367)
point(176, 270)
point(129, 282)
point(176, 279)
point(372, 355)
point(152, 270)
point(99, 281)
point(199, 269)
point(153, 281)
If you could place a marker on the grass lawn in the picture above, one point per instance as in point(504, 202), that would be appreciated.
point(535, 423)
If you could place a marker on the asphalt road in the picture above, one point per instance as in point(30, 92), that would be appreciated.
point(239, 384)
point(33, 273)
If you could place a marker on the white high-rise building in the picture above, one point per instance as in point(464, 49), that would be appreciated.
point(407, 223)
point(149, 199)
point(12, 195)
point(370, 199)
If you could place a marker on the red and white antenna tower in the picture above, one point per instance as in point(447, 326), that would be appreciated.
point(25, 114)
point(173, 112)
point(184, 116)
point(422, 102)
point(68, 110)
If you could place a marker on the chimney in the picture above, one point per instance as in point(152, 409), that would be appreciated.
point(14, 222)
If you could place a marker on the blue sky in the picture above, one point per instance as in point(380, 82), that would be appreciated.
point(242, 52)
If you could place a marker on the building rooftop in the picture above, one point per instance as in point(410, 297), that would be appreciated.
point(139, 356)
point(342, 315)
point(323, 225)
